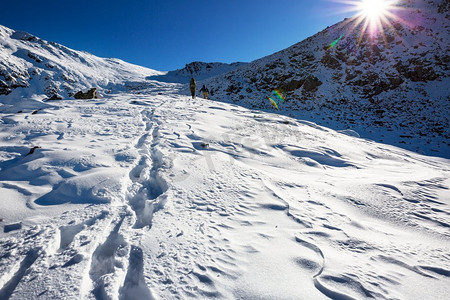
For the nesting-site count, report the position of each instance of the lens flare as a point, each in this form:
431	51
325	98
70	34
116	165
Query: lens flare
279	95
335	42
273	102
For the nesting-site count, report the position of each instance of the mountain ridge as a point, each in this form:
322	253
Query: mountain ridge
32	67
197	69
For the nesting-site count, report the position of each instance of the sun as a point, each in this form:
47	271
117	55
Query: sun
372	17
374	10
375	14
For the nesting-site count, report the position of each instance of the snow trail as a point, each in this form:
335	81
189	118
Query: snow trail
134	286
104	259
8	288
147	184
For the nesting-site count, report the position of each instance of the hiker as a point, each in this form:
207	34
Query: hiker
192	87
205	91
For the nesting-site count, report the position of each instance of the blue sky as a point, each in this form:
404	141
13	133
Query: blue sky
167	34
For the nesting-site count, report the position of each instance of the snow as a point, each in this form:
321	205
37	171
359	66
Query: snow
152	195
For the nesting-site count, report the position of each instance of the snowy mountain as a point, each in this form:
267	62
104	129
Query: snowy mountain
198	70
32	67
393	88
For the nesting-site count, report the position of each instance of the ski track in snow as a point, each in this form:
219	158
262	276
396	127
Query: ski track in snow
158	196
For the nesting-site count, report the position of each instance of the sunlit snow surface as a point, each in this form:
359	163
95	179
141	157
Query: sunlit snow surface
156	195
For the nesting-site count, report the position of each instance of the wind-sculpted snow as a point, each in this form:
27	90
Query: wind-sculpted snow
153	195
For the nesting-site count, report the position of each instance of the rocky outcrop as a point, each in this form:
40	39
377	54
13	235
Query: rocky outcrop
90	94
11	79
291	85
311	84
55	97
4	88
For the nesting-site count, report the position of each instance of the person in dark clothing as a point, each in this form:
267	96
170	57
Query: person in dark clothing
205	91
192	87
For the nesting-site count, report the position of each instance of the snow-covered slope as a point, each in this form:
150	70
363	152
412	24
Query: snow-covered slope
158	196
392	88
32	67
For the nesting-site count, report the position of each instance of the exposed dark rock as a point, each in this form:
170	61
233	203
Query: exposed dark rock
376	50
444	7
12	80
4	88
282	77
51	89
330	61
389	38
292	85
397	26
233	89
55	97
34	57
341	56
32	150
311	84
395	82
376	73
24	36
67	78
90	94
420	73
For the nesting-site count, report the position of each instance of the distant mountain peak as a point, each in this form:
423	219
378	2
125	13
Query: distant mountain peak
198	70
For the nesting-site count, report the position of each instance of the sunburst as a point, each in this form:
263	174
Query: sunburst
373	16
374	10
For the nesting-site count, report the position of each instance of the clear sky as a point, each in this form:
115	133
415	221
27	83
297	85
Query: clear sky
167	34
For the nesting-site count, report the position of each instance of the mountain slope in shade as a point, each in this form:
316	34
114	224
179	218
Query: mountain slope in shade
32	67
392	88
